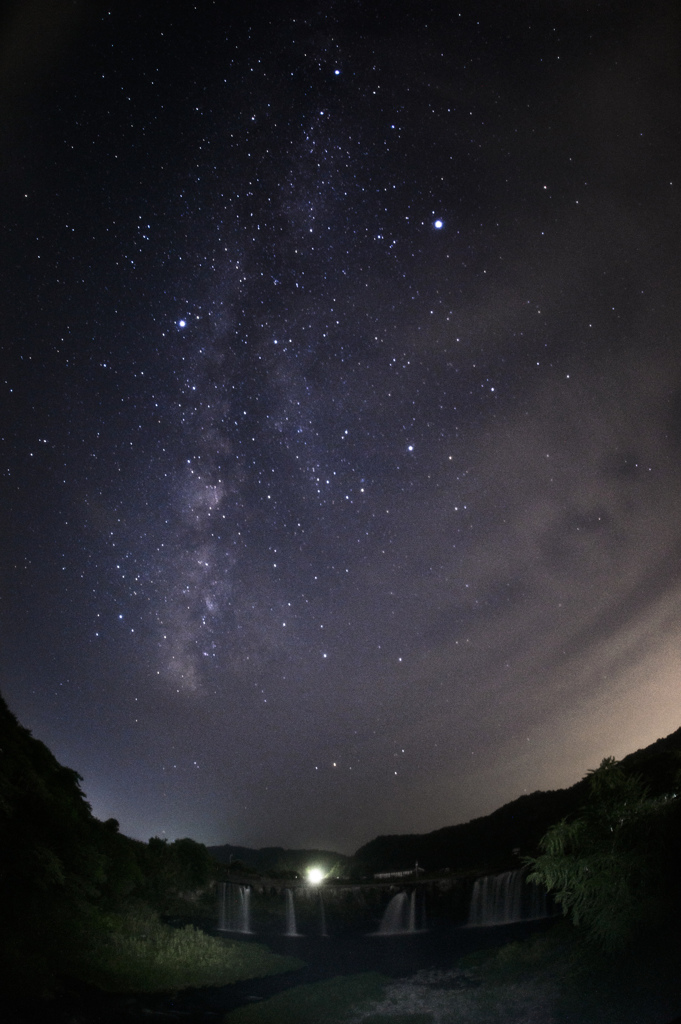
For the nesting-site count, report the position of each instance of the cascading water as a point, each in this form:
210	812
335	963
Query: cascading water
291	930
234	908
506	899
411	917
399	917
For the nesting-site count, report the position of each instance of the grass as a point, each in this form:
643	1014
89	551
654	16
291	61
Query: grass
554	977
138	953
329	1002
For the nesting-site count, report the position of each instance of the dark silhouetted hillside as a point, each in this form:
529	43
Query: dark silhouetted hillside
62	871
488	843
277	859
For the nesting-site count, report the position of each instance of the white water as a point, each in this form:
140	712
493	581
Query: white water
506	899
291	929
234	908
399	917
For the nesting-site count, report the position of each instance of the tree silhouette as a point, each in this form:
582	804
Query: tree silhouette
608	868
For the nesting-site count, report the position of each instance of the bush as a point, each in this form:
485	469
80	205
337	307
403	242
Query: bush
609	869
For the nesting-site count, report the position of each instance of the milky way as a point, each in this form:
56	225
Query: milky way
341	413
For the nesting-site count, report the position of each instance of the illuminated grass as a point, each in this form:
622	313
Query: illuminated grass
140	954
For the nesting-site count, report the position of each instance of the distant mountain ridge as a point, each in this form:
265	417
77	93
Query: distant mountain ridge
494	842
487	844
276	858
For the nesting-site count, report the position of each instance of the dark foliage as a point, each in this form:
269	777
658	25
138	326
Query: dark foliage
614	867
62	871
52	867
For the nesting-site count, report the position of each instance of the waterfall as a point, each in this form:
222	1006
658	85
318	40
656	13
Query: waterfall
245	908
506	899
399	917
411	924
291	929
234	908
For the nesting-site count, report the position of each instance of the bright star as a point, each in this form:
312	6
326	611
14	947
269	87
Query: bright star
438	224
181	323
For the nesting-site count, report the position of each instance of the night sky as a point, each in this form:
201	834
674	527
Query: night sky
340	405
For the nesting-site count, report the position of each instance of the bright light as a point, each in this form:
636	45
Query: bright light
315	876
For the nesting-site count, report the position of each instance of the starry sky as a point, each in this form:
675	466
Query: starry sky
340	404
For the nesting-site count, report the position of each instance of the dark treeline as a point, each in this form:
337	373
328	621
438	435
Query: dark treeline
614	867
63	872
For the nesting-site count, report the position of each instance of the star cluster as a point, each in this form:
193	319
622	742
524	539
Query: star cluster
340	408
